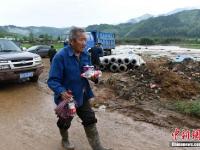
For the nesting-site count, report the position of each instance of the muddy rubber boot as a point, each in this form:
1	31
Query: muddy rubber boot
65	140
93	137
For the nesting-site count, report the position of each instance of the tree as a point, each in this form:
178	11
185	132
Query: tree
2	35
31	37
146	41
58	38
41	36
25	38
46	38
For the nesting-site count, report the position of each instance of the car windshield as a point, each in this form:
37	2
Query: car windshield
32	48
8	46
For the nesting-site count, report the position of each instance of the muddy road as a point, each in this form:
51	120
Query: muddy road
28	122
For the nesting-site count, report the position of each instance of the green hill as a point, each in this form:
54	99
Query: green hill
185	24
181	25
36	31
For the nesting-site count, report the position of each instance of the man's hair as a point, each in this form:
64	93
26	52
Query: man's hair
73	33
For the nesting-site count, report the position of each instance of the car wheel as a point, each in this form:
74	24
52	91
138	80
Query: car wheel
34	79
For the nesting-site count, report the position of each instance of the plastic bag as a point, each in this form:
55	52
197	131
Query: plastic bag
66	109
90	72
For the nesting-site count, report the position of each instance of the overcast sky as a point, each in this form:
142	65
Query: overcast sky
65	13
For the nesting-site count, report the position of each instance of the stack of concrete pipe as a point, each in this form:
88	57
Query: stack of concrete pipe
121	62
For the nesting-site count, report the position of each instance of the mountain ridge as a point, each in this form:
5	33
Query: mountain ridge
180	24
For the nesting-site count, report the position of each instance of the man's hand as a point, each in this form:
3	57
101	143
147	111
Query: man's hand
66	96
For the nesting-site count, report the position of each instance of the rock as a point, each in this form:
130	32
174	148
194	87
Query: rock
102	108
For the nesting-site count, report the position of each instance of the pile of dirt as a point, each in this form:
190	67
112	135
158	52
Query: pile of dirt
153	81
189	68
173	85
148	94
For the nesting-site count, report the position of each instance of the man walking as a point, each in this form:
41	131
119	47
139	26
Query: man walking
64	75
51	53
96	52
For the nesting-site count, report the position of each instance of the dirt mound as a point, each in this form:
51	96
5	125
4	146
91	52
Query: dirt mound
150	92
173	85
153	81
189	68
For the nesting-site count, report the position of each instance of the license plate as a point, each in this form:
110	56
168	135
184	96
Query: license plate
26	75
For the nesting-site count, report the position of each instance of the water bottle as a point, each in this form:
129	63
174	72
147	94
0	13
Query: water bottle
71	105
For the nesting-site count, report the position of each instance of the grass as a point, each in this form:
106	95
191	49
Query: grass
27	45
189	107
195	46
57	46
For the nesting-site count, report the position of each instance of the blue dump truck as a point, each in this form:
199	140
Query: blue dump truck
107	40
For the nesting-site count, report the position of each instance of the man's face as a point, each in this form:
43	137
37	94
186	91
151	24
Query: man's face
79	43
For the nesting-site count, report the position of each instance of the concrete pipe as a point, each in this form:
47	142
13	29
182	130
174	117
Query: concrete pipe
120	61
130	66
102	67
113	60
133	62
106	61
126	61
114	67
122	68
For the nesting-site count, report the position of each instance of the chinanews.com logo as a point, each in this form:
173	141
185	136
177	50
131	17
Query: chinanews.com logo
185	138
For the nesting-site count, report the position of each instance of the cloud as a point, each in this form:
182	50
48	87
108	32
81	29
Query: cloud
62	13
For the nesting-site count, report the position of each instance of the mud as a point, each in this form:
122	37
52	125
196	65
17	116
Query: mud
28	120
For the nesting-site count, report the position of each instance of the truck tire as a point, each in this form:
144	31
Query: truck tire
34	79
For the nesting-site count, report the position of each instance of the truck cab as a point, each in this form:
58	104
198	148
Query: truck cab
107	40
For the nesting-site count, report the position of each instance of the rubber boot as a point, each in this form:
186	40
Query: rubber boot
65	140
93	137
